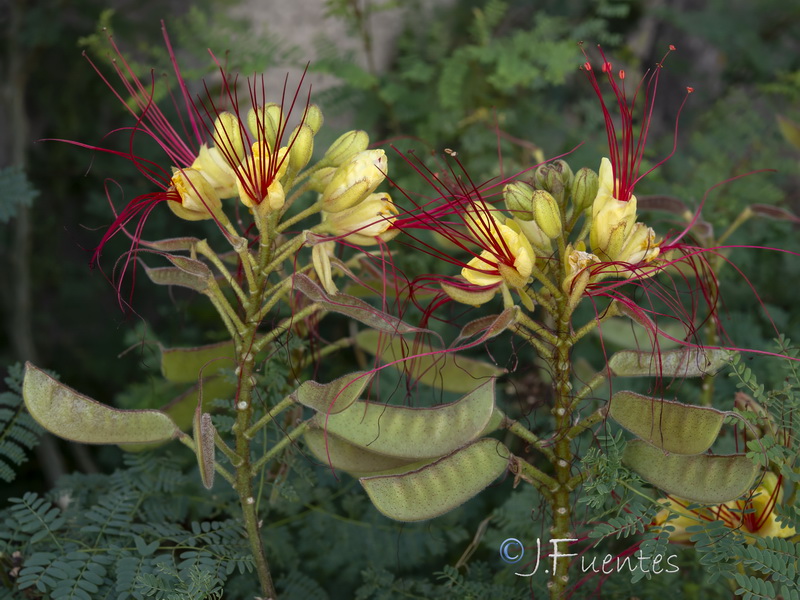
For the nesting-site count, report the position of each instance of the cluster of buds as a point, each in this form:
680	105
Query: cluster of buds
351	209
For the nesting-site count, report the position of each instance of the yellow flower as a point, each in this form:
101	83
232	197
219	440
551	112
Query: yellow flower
611	218
615	235
755	515
507	258
259	174
198	199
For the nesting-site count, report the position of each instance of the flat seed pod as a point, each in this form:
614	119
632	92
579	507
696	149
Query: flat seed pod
686	362
333	397
674	427
73	416
349	458
184	365
441	486
204	446
700	478
413	433
437	368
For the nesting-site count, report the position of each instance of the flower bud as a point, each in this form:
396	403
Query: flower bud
198	200
535	236
584	189
264	124
367	223
547	214
320	178
314	118
301	147
468	295
355	180
345	147
548	177
228	136
519	200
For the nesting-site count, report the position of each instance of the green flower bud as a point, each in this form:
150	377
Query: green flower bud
228	135
265	123
345	147
321	178
301	147
314	118
548	178
547	214
519	200
584	189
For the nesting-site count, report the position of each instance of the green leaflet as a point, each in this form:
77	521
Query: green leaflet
73	416
438	368
672	426
699	478
440	487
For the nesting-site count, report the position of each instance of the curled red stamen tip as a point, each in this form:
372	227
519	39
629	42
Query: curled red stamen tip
671	47
689	90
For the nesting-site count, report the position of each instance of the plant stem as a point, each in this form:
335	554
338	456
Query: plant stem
560	502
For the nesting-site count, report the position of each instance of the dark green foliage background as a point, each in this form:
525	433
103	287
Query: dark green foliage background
475	68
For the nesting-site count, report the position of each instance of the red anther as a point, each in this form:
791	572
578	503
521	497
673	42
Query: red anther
606	67
587	66
671	47
689	90
622	74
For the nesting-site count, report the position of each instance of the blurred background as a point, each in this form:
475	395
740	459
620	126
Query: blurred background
491	79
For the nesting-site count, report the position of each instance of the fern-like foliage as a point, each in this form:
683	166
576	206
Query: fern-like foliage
15	191
19	433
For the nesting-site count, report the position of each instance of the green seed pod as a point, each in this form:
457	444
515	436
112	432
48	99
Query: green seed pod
334	397
519	200
440	487
73	416
185	365
674	427
699	478
584	189
686	362
204	446
339	454
413	433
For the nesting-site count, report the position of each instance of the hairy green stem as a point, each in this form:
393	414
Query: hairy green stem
523	432
289	438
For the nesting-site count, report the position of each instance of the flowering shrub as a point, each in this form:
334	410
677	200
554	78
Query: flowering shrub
563	255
